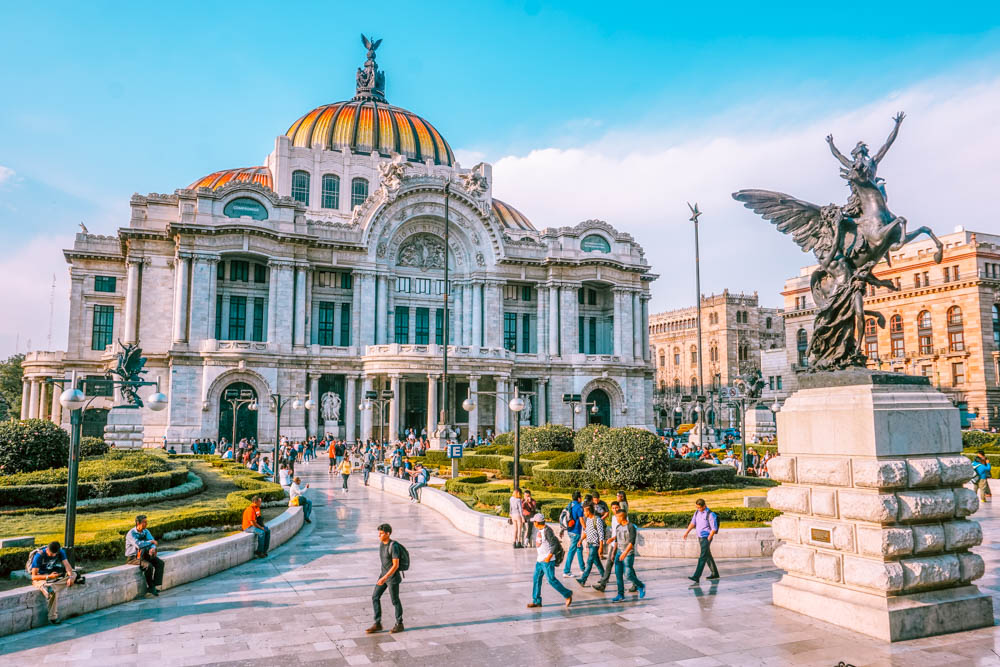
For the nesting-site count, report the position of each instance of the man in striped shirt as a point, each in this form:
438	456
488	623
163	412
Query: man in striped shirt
594	528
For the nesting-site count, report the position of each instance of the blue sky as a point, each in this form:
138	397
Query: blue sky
105	99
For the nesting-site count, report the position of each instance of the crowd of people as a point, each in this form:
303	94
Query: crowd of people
756	464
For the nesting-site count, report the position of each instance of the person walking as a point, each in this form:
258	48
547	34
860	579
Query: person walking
573	525
706	522
367	465
594	533
528	509
548	546
332	452
390	554
625	537
609	564
516	518
981	466
345	470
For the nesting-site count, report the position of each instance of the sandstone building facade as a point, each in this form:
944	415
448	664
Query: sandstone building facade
320	273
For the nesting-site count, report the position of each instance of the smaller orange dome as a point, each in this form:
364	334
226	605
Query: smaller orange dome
510	216
258	175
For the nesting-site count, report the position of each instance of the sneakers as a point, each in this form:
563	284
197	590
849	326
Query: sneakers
532	605
713	576
375	628
582	582
152	591
642	592
566	575
397	628
599	588
569	600
694	579
619	598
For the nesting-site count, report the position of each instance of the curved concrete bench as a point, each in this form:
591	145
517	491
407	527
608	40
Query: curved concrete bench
653	542
24	608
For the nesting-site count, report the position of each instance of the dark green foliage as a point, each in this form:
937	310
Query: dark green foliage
542	456
569	479
506	467
551	437
504	450
93	447
628	458
465	486
682	519
53	495
32	444
567	461
11	375
504	440
979	440
585	437
113	465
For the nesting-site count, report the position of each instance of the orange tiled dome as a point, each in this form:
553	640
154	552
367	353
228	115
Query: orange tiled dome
510	216
259	175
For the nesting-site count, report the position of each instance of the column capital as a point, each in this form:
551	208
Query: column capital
136	260
315	376
394	376
207	258
543	381
363	273
474	378
433	377
352	376
281	263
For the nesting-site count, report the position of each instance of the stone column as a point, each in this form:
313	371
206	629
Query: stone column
43	397
33	398
382	311
458	314
364	288
568	324
389	326
644	299
182	264
130	334
432	404
616	296
300	306
394	407
366	415
637	326
541	328
467	296
875	534
25	397
541	404
314	413
554	304
492	318
205	277
477	314
55	414
474	413
351	407
355	311
499	418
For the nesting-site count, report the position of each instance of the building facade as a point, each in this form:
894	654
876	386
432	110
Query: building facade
943	321
736	329
320	273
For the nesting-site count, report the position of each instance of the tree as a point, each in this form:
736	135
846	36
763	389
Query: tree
11	374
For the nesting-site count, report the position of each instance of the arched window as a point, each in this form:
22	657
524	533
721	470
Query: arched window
694	354
956	337
896	336
359	192
662	360
713	353
767	323
743	352
677	385
331	191
677	359
595	243
802	346
925	334
694	386
871	338
300	186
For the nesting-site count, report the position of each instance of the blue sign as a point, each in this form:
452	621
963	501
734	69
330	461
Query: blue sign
455	451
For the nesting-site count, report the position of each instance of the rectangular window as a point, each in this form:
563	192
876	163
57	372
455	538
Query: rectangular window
324	335
346	281
580	295
580	321
98	385
423	329
402	325
220	271
926	370
916	280
897	347
957	374
592	334
526	293
104	325
259	273
947	273
218	317
954	272
402	284
258	319
105	283
237	317
526	332
345	324
511	292
439	326
956	341
510	331
871	348
779	383
770	382
239	271
926	344
422	285
591	297
331	191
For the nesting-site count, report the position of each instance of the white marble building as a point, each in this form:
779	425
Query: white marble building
322	271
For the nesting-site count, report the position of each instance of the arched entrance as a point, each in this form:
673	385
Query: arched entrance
599	398
238	393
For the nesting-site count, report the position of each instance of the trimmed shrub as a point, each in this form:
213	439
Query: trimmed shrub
682	519
628	458
715	475
585	437
466	486
504	440
551	437
506	467
567	461
52	495
494	496
571	479
979	440
93	447
31	444
542	456
114	465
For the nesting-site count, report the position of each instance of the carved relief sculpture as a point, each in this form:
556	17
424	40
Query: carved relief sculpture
422	251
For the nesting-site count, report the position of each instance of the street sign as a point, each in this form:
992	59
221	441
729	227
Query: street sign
371	395
387	393
455	451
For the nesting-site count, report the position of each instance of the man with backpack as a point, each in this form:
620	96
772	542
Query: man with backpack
571	519
51	571
395	560
420	479
706	522
550	554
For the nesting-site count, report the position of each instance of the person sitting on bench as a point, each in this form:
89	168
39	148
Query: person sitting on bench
140	549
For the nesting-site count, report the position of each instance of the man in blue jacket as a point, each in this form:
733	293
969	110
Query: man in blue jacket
574	526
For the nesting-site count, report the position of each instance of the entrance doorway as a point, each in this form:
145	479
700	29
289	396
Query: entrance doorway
238	393
599	397
415	409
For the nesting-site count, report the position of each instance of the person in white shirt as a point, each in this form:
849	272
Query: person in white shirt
283	478
609	563
517	517
296	490
545	567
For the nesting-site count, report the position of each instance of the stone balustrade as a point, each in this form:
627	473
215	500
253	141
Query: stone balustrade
24	608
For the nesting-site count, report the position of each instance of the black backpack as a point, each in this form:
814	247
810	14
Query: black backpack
404	558
558	550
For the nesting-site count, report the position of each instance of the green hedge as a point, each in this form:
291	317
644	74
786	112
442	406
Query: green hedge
466	486
979	440
573	479
52	495
31	444
585	437
542	456
682	519
628	458
506	467
719	475
567	461
90	446
504	440
550	437
114	465
506	450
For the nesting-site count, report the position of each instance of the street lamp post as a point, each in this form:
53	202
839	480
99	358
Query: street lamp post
443	414
516	404
574	401
241	398
75	400
372	400
278	403
697	282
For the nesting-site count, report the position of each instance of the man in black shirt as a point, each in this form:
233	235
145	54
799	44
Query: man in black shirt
390	578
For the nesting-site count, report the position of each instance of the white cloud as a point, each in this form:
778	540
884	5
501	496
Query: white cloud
6	174
941	172
28	272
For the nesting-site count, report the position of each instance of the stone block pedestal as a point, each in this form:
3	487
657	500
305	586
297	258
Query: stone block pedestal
124	429
874	531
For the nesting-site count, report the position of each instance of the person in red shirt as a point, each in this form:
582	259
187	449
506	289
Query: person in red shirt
252	523
333	455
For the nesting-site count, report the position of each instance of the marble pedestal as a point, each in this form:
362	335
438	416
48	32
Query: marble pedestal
124	428
874	532
760	424
332	428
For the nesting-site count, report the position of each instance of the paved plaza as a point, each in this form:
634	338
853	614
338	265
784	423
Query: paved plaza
464	601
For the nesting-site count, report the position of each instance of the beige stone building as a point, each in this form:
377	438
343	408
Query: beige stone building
735	329
943	322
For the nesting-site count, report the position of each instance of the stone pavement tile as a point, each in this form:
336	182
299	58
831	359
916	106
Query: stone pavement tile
705	661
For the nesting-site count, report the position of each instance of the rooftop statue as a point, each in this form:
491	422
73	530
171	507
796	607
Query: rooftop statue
848	241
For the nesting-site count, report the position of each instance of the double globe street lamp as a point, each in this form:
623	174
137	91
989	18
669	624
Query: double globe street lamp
516	405
278	403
